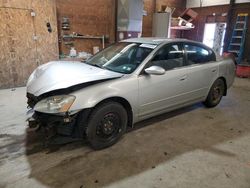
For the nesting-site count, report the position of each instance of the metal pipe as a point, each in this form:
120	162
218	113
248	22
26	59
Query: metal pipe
116	19
17	8
103	41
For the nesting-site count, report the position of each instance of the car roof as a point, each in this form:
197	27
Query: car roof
158	41
154	40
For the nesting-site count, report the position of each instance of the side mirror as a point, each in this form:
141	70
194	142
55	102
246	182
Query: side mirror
155	70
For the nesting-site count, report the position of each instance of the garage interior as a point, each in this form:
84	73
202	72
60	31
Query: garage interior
190	147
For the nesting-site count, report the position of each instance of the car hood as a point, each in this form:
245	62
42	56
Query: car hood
63	74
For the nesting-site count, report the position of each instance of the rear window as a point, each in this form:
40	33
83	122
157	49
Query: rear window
197	54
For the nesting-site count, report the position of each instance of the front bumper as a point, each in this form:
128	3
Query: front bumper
59	129
65	127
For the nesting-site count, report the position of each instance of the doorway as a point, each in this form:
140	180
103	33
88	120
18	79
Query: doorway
213	37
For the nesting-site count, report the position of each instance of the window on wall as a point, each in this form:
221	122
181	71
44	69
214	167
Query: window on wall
197	54
169	57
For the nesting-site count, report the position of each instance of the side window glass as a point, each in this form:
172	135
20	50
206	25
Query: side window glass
169	57
141	54
196	54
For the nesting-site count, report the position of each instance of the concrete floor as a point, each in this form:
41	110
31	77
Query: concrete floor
191	147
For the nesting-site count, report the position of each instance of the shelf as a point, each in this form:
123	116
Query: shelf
86	37
83	37
181	28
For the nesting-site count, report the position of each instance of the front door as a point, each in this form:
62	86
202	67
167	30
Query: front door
157	93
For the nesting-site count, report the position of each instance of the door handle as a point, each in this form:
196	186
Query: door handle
214	70
183	78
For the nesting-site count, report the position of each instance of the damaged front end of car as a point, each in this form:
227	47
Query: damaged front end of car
51	116
49	98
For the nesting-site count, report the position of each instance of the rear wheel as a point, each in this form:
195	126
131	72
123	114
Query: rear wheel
107	123
215	94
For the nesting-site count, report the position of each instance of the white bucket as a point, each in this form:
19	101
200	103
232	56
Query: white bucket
96	49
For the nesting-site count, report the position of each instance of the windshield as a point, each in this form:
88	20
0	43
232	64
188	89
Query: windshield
121	57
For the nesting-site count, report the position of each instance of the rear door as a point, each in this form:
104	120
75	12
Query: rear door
202	69
190	70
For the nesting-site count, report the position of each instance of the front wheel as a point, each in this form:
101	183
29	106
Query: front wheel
107	124
215	94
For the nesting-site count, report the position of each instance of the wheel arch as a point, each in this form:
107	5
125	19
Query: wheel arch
124	103
225	84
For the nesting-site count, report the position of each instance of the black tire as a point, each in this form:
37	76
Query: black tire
107	123
215	93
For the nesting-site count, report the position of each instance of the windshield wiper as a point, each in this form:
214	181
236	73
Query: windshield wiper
95	65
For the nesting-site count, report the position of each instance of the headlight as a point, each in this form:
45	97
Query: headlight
55	104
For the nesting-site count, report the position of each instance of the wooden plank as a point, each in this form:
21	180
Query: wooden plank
17	47
20	54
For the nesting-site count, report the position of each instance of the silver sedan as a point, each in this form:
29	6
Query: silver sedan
125	83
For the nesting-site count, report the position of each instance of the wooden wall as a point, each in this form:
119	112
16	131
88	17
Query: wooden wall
20	53
95	17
